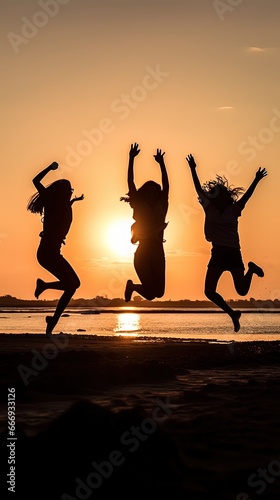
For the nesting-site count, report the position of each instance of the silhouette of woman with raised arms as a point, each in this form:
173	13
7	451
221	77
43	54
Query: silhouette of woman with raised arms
150	205
222	209
54	202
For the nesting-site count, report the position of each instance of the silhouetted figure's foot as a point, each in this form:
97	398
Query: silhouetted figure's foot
128	290
235	319
40	287
256	269
51	322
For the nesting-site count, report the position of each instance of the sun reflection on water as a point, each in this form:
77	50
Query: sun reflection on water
128	324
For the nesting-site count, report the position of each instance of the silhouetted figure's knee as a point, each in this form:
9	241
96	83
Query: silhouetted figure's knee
207	292
210	293
241	290
150	295
154	292
73	285
160	293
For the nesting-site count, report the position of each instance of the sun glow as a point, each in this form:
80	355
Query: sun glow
128	324
117	236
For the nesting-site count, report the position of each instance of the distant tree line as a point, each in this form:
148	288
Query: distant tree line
100	301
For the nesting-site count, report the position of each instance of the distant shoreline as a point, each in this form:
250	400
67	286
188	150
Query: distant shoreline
134	309
103	303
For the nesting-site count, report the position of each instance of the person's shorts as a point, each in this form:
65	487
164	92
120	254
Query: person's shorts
226	258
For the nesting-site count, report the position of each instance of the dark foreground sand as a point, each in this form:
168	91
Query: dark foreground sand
108	417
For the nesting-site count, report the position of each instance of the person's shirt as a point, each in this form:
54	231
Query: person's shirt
149	219
57	220
221	226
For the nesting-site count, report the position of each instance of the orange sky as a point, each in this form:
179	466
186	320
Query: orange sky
84	79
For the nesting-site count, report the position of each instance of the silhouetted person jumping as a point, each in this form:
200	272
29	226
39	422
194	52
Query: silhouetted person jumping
222	209
54	202
150	205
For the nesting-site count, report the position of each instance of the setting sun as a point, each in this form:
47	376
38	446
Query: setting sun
117	238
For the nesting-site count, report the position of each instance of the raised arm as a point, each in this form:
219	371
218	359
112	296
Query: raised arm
134	151
77	198
260	174
164	177
201	194
37	180
191	161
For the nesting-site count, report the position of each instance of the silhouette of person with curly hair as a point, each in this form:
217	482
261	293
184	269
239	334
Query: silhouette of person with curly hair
55	204
150	205
222	209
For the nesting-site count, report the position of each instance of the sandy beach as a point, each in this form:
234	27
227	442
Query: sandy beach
97	416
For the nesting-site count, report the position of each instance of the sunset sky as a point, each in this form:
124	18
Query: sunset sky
83	79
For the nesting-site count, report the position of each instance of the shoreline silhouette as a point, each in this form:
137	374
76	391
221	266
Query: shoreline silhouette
102	302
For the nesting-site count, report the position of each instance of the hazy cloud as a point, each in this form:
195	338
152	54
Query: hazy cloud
103	262
179	252
262	50
256	49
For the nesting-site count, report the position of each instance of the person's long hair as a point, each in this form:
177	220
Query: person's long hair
142	191
220	192
53	192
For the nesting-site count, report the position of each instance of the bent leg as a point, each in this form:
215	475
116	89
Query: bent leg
212	277
149	263
42	285
69	282
62	304
50	258
56	264
158	270
242	282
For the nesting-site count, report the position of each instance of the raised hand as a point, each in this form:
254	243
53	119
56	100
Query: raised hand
191	161
134	151
54	165
159	156
77	198
260	174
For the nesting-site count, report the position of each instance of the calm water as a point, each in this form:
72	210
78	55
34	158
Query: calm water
182	324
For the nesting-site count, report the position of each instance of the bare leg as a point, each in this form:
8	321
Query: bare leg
51	259
147	292
41	286
129	289
149	263
212	277
242	282
62	304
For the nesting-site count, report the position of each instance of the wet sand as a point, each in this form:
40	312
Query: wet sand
101	416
